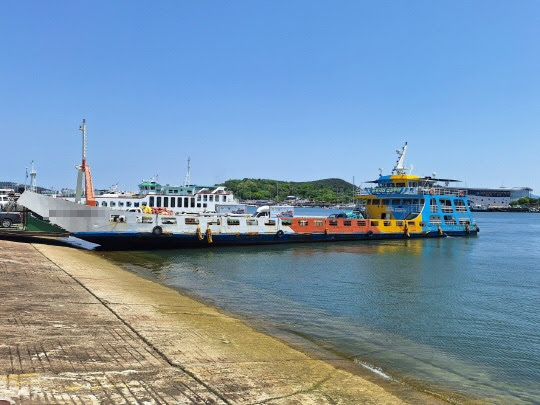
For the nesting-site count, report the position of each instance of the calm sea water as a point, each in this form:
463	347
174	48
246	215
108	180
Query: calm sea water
453	316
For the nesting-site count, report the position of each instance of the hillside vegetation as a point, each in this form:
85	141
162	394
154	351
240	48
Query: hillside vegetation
327	190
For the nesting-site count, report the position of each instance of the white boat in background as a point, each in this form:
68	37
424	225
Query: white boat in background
175	199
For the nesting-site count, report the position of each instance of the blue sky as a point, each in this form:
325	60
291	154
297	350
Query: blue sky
288	90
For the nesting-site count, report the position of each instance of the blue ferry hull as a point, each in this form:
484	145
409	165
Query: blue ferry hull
148	241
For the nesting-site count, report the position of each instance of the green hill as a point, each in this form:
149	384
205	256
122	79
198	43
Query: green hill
328	190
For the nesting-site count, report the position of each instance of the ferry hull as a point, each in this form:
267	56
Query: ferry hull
146	241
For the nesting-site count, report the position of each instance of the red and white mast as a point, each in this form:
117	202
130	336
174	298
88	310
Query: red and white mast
84	168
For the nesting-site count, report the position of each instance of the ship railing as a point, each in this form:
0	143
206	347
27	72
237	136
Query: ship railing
442	191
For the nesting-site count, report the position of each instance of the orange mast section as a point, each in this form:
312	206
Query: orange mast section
88	187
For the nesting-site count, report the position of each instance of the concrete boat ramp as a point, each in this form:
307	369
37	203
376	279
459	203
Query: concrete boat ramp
77	329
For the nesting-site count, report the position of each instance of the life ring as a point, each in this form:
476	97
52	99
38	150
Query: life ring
157	230
431	191
280	233
369	233
209	235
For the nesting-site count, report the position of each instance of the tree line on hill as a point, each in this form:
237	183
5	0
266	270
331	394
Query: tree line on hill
526	201
333	191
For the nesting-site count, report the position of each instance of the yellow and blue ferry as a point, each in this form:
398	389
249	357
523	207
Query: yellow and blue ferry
417	206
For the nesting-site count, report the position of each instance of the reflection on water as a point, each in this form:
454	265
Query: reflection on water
447	315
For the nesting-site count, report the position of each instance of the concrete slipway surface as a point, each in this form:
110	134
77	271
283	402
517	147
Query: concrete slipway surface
77	329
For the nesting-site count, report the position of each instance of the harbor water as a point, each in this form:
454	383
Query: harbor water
456	317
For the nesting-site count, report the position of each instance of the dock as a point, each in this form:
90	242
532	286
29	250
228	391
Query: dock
77	329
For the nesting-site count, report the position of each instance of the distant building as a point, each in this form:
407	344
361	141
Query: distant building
495	197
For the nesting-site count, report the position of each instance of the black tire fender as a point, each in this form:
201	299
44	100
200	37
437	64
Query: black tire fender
158	230
369	233
279	233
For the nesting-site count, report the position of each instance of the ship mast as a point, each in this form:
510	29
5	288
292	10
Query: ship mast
84	168
399	168
33	183
187	181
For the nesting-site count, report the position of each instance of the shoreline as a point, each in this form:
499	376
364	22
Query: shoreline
226	359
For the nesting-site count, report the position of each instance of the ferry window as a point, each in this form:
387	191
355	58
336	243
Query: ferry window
192	202
385	202
368	202
198	205
210	198
387	223
400	184
415	201
186	202
375	223
285	222
252	222
396	202
464	221
233	221
151	202
113	204
376	201
399	223
158	201
198	198
435	219
411	223
168	220
204	205
166	202
136	204
302	222
128	204
406	201
104	203
270	222
205	198
173	202
332	222
422	201
347	223
361	223
191	221
224	198
449	219
120	203
318	222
